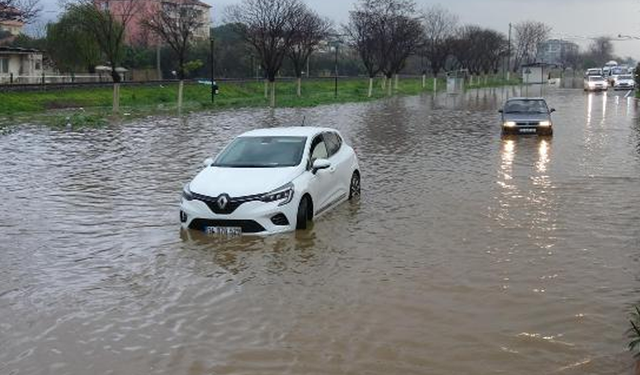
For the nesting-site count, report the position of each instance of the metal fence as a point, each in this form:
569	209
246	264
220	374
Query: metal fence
10	79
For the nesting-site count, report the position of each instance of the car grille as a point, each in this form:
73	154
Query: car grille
248	226
528	123
280	219
231	206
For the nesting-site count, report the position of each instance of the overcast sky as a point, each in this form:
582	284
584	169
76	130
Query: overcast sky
575	20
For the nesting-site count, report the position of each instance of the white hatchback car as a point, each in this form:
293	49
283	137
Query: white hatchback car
270	181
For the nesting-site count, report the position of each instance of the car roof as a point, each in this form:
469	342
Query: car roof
292	131
525	99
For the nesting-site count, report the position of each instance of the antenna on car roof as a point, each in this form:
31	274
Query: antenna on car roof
303	119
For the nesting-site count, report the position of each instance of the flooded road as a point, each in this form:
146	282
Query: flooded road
467	254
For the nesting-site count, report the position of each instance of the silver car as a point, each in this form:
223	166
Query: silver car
527	116
624	82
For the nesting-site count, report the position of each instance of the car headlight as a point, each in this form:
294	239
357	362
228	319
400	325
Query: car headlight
283	194
509	124
186	193
545	123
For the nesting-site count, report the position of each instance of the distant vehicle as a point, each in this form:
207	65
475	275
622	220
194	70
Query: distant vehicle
595	83
617	71
593	72
526	116
271	181
624	82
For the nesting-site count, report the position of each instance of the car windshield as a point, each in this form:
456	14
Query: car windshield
596	78
626	77
525	106
262	152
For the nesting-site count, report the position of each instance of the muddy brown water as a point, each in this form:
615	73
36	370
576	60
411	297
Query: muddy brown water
467	254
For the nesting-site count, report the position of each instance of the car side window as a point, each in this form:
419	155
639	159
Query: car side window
333	143
318	149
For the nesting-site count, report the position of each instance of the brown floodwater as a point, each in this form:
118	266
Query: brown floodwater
467	254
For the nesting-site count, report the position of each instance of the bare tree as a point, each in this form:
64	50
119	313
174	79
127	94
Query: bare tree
361	34
601	50
479	50
439	26
175	23
106	22
270	27
528	35
569	56
312	30
25	11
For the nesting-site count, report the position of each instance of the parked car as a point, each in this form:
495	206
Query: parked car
595	83
527	116
624	82
271	180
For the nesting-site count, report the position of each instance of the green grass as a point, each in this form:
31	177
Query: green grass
62	107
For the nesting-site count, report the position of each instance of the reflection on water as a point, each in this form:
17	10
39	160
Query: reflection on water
467	250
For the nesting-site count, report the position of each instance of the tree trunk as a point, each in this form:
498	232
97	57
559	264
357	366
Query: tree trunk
485	79
299	87
370	92
180	92
273	94
424	80
266	89
435	84
389	86
116	98
384	82
396	82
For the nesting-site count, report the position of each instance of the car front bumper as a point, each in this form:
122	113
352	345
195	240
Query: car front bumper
539	130
254	218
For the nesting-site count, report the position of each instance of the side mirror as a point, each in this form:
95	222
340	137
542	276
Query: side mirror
319	164
207	162
552	110
501	111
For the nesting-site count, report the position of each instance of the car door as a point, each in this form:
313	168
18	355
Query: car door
340	161
320	185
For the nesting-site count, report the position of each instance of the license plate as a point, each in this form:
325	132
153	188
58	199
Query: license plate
225	231
528	130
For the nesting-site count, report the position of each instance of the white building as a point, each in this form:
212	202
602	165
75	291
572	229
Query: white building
20	65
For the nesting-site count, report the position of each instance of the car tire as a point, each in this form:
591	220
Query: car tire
354	187
302	218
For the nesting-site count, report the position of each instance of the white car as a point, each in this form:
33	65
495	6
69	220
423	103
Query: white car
271	181
624	82
595	83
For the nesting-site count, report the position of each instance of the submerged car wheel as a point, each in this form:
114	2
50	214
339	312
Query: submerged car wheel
354	190
302	218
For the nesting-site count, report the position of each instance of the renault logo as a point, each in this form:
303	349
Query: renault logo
222	201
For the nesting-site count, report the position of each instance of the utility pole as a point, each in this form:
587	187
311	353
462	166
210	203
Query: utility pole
336	72
509	55
213	90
